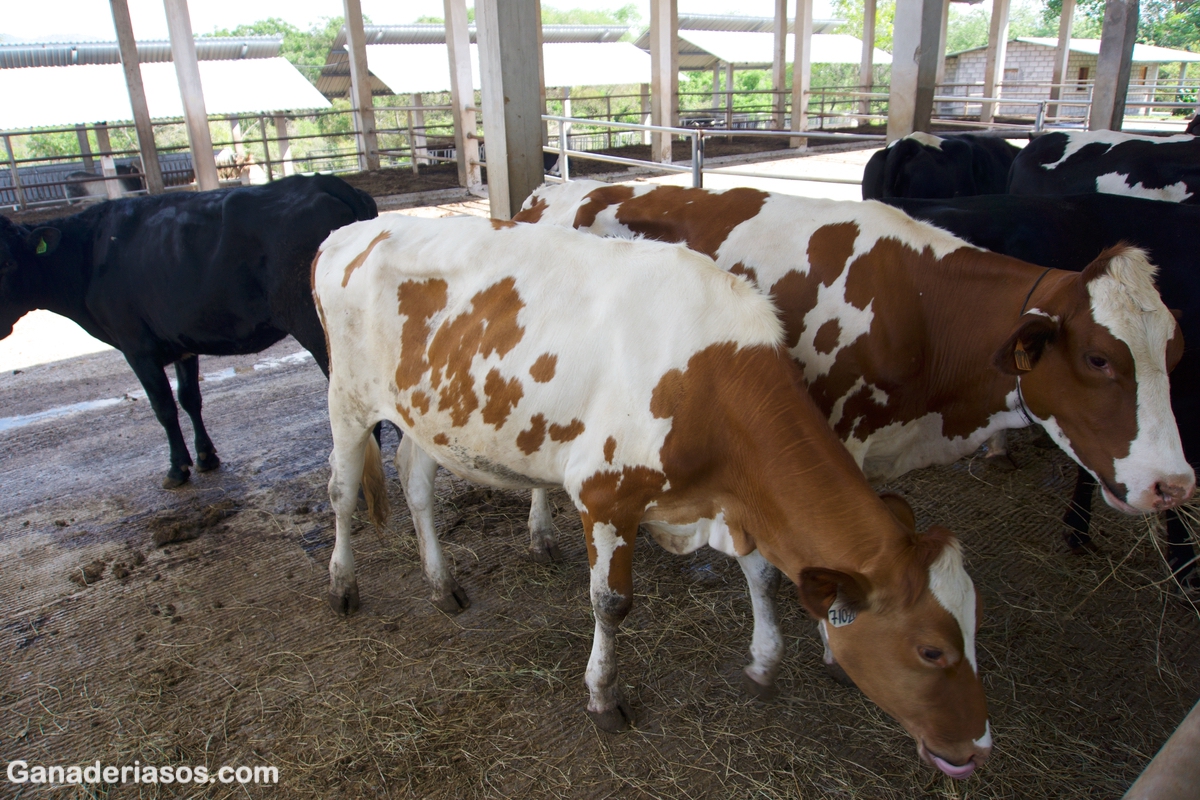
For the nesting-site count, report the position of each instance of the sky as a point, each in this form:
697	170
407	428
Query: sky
91	20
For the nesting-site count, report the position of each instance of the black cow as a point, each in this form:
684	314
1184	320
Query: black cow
1067	233
924	165
166	278
1082	162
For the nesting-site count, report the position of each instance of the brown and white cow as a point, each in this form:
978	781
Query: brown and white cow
917	346
656	389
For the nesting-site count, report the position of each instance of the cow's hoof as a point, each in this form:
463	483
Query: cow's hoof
759	691
839	675
1003	462
176	477
344	602
616	719
207	462
453	600
548	553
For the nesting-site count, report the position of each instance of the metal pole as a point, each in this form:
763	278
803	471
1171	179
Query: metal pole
698	160
16	178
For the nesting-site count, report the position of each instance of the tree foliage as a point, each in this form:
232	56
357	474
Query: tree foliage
305	49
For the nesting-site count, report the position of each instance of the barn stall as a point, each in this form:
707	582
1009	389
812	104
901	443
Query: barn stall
191	627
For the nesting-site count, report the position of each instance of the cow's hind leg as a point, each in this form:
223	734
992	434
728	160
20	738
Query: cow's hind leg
417	471
766	648
1078	516
187	371
158	390
543	541
352	446
610	554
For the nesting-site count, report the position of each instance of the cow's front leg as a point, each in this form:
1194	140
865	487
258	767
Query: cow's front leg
766	648
187	371
543	539
610	554
158	390
417	471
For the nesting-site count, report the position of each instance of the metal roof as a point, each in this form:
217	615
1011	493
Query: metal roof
734	22
334	80
67	54
63	96
756	49
412	68
1142	53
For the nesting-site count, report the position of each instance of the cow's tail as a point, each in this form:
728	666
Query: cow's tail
373	484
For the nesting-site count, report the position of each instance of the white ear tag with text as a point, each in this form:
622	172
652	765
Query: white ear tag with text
840	613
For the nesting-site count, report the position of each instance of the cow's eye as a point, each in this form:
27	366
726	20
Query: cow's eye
1098	362
930	654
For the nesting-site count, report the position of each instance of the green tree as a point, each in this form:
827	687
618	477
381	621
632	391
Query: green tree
305	49
852	12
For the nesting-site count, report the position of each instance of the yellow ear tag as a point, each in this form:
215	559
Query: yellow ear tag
41	248
1022	358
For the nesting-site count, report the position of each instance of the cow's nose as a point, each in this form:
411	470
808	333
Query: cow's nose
1173	492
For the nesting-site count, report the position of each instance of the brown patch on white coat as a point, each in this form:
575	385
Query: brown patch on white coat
644	435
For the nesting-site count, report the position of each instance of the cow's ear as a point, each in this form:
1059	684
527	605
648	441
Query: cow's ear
820	588
1024	347
43	241
900	509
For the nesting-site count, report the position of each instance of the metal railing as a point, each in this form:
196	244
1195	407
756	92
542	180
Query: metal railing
696	167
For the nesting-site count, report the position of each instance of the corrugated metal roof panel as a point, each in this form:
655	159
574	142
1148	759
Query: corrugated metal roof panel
97	93
435	33
68	54
755	49
736	22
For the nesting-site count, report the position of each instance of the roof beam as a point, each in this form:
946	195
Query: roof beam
360	88
137	96
187	71
1114	64
509	66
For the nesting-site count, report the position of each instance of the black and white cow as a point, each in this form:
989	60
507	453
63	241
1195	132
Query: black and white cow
1067	233
88	184
166	278
924	165
1081	162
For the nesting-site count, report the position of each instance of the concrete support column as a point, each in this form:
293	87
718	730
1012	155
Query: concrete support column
187	70
716	87
85	148
1062	54
664	74
360	88
729	97
285	145
914	66
779	65
137	96
509	63
993	71
1114	64
420	154
801	69
866	70
462	96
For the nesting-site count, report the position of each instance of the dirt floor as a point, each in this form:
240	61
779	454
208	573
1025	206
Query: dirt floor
191	627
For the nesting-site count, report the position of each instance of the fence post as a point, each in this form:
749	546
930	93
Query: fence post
698	159
564	138
419	128
1040	121
262	126
107	165
608	117
285	145
412	144
85	148
12	168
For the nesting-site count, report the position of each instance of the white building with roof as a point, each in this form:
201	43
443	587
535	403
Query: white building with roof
1029	70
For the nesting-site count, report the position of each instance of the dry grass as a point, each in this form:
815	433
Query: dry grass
221	650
